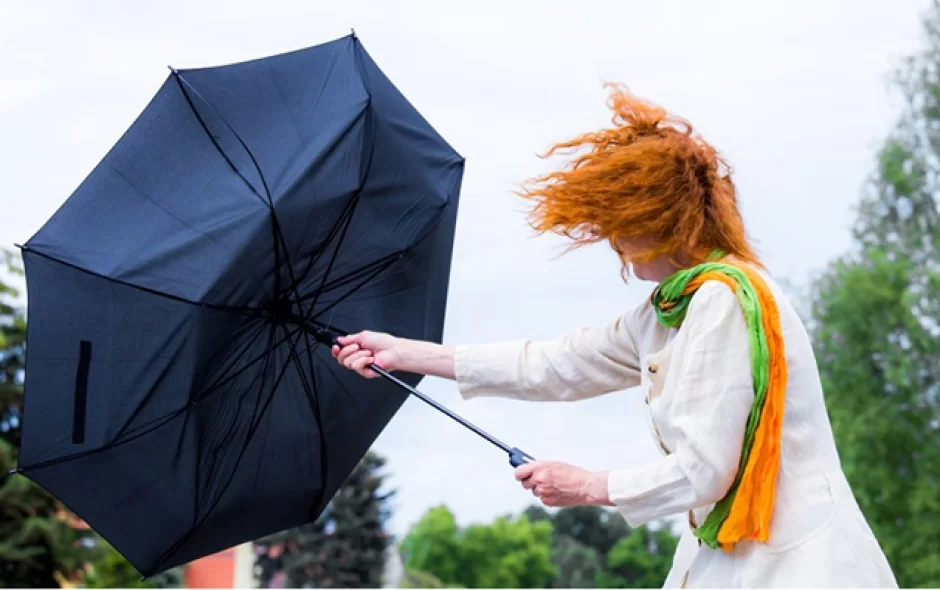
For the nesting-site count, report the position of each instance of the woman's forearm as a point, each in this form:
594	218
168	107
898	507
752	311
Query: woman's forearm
425	358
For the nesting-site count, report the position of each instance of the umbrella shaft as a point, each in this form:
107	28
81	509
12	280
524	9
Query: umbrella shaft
327	336
444	410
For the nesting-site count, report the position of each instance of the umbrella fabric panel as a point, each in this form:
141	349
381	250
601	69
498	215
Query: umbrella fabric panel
168	427
287	109
162	210
144	353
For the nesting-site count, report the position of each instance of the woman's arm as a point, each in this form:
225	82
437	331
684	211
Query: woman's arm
583	363
426	358
358	351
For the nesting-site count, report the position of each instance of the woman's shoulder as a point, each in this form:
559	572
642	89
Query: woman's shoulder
715	295
645	328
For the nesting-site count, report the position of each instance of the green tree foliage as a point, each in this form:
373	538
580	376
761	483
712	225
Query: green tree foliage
579	565
345	548
12	350
509	553
876	331
592	526
576	547
419	579
433	546
640	560
594	547
583	537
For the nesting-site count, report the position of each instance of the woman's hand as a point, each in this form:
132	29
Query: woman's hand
560	484
357	351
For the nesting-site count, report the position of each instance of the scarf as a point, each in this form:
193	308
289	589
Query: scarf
746	510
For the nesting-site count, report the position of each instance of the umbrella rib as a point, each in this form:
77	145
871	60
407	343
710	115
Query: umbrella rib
146	429
157	422
237	335
329	266
248	437
355	288
246	311
348	222
278	235
313	398
343	218
260	375
352	275
183	84
264	370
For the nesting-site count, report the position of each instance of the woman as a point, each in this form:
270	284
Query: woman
734	395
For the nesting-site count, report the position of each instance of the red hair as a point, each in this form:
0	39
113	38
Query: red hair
649	178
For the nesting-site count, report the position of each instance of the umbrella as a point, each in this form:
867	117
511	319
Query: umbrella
180	394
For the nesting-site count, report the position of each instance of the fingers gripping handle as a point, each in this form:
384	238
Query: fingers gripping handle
519	457
325	336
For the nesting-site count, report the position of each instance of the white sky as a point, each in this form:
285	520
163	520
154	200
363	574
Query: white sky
793	92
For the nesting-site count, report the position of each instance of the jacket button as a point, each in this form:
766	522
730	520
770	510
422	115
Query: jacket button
653	367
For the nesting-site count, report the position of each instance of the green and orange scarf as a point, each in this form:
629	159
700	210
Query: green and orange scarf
746	510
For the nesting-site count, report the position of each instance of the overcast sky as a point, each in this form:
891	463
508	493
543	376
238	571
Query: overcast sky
793	92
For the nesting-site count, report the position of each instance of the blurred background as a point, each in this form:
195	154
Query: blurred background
828	111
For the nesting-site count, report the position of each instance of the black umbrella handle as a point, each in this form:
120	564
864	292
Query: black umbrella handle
517	457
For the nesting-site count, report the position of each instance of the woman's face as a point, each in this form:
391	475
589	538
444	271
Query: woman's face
654	270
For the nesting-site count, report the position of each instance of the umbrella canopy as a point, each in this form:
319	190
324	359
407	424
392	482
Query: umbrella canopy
174	399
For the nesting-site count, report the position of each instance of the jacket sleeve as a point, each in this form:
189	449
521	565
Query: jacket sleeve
712	400
587	362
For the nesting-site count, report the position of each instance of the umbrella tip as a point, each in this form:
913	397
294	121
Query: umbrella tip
352	33
173	70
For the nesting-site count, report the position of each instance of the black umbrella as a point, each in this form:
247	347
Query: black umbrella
179	395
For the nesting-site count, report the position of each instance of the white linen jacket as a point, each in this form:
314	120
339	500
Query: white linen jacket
699	390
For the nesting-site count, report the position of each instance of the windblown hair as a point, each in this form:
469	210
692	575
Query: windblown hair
649	178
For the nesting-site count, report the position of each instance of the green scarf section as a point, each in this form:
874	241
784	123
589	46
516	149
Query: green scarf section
671	301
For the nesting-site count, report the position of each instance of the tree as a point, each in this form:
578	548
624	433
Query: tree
509	553
593	526
419	579
641	560
12	351
579	565
594	547
583	537
432	546
345	548
875	327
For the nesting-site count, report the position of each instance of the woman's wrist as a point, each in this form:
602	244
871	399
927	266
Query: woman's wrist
425	358
595	489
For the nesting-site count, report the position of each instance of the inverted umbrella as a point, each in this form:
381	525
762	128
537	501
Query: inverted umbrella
180	393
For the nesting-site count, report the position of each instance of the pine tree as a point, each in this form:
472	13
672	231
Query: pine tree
345	548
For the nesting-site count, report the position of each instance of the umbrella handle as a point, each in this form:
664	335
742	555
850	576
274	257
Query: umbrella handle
518	457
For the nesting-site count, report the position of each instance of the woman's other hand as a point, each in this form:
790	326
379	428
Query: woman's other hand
560	484
357	351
